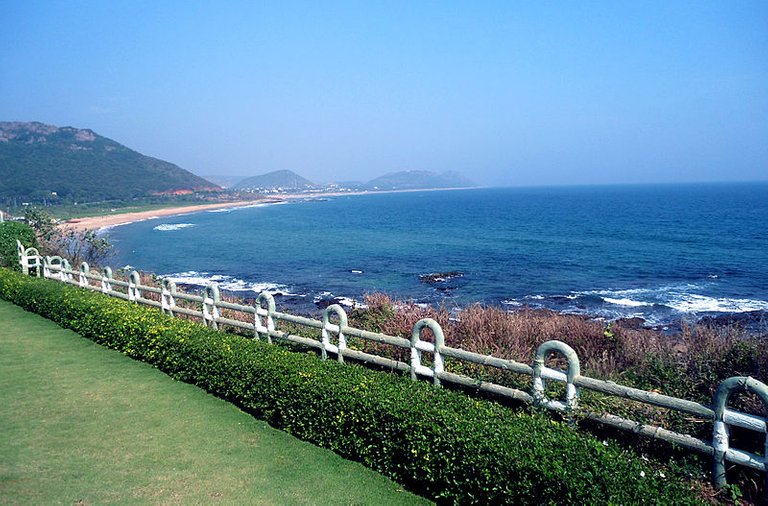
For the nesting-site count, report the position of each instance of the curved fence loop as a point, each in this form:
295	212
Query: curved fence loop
418	346
264	327
572	372
85	269
721	431
106	279
29	259
211	301
168	296
328	328
134	280
53	267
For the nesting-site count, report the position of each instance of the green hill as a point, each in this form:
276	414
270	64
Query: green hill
40	163
282	179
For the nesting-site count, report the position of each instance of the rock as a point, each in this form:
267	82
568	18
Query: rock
440	277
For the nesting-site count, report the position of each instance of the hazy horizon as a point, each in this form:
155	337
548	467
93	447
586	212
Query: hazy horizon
507	94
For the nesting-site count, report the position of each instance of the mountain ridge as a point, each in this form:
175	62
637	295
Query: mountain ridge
41	162
278	179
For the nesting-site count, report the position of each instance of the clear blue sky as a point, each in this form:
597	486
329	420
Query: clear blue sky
509	93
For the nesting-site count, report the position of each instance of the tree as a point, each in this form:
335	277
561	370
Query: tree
77	246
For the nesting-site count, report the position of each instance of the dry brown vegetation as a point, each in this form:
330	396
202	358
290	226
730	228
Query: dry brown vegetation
689	364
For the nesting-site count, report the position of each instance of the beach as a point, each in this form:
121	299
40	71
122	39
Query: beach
123	218
111	220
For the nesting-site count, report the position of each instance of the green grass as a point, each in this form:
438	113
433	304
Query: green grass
85	425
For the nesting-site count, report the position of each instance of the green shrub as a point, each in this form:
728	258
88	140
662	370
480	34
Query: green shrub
439	443
10	231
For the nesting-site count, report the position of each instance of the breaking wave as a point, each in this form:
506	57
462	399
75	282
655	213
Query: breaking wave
228	283
169	227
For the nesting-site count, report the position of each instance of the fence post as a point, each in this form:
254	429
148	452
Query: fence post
22	259
106	280
259	328
721	431
417	346
66	270
328	327
134	280
210	306
84	269
574	370
167	296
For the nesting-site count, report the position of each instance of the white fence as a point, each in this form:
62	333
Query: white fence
263	320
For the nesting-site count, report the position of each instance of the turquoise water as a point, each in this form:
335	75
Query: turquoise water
658	252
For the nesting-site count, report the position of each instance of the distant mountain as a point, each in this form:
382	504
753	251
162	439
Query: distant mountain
41	162
279	179
419	179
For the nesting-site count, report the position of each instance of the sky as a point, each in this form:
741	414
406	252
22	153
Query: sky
509	93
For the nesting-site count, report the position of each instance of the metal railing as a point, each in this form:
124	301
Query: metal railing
262	321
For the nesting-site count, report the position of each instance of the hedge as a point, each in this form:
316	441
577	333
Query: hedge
438	443
10	231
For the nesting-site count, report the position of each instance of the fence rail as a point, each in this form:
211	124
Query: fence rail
263	318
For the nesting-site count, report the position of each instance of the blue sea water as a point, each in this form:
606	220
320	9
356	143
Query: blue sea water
660	252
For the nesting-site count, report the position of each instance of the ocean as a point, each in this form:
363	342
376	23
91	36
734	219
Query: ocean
658	252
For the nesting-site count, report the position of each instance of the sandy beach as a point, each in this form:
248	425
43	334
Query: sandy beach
111	220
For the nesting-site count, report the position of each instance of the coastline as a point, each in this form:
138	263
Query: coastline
658	301
100	222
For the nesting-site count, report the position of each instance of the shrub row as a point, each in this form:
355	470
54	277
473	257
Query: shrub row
438	443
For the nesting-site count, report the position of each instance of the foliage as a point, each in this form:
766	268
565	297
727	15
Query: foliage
439	443
43	223
10	231
688	365
44	164
84	246
75	245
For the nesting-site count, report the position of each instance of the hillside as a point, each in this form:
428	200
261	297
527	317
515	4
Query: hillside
415	179
41	162
283	179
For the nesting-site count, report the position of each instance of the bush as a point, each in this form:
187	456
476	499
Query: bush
439	443
10	231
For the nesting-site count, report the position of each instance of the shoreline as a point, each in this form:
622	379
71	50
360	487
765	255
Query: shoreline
103	221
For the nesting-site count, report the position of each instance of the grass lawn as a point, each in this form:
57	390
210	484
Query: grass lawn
80	424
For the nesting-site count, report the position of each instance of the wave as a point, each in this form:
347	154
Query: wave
227	283
694	303
169	227
626	302
325	299
105	229
657	305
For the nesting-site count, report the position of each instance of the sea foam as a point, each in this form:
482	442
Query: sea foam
169	227
228	283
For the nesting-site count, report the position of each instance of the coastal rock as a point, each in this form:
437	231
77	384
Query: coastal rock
440	277
326	299
749	319
634	323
